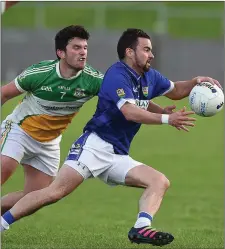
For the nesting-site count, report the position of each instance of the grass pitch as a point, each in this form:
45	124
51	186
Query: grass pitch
99	216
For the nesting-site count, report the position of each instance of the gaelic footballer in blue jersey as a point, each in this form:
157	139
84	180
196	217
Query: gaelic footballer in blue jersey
103	150
122	85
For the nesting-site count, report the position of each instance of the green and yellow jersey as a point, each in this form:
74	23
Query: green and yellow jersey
51	101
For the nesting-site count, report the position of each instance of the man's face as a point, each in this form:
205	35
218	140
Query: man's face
76	53
143	55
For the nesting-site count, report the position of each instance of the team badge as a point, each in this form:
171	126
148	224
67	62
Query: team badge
120	92
145	91
79	93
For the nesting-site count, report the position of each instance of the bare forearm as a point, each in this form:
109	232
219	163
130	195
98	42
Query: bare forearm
183	88
9	91
3	99
155	108
138	115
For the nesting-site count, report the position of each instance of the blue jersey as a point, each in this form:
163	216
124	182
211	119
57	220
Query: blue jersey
122	84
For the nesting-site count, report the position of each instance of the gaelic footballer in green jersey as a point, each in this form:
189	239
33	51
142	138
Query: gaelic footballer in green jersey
51	100
54	93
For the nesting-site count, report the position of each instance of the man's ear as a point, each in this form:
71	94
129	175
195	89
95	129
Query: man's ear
61	53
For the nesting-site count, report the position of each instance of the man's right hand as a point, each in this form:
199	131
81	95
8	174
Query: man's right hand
181	119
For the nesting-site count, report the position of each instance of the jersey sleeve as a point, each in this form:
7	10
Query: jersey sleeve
25	81
117	89
162	85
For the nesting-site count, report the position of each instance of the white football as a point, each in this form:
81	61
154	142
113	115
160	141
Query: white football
206	99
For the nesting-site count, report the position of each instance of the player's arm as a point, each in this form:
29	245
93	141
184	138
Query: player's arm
134	113
182	89
177	119
9	91
25	82
155	108
116	87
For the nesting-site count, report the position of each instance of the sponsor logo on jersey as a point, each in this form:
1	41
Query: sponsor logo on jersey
120	92
145	91
46	88
79	93
143	104
58	108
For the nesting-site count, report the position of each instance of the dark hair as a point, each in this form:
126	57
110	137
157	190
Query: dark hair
66	34
129	39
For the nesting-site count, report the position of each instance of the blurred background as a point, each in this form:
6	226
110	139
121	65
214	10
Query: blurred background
188	40
187	36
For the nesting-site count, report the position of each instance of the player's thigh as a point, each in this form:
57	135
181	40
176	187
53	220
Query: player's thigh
127	171
90	155
35	179
144	176
116	174
46	160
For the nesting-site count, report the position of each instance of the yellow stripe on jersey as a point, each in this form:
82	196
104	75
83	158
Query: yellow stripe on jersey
44	128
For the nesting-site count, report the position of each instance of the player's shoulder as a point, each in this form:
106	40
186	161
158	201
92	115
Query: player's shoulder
44	64
117	67
92	72
38	69
118	71
152	71
153	74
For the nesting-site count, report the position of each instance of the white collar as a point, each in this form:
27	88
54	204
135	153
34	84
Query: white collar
60	76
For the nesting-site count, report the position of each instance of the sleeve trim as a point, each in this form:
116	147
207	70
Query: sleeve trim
18	86
170	88
121	102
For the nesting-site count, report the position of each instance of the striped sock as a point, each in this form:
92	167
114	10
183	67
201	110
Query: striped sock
144	219
6	220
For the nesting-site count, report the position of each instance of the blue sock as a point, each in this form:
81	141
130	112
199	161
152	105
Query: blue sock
8	217
145	215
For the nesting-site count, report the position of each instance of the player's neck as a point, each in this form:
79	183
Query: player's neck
132	65
66	71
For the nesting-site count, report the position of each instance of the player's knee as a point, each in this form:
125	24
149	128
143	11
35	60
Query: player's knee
159	182
164	182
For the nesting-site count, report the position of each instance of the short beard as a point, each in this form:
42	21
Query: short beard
146	68
75	68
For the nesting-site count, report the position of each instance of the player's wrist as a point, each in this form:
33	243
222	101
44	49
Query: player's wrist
165	118
164	111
